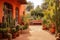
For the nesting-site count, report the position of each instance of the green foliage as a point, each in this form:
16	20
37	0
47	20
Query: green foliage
4	25
24	27
32	13
53	11
37	13
12	23
44	21
3	29
29	6
0	30
47	21
18	27
45	5
57	16
8	21
13	30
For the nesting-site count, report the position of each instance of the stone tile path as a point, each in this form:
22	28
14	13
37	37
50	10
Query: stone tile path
36	33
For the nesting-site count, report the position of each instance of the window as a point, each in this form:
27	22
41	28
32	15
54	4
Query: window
7	12
17	11
7	8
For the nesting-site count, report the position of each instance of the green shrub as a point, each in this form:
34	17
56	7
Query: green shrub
13	30
18	27
25	26
4	30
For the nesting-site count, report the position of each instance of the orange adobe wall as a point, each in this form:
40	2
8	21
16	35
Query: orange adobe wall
14	4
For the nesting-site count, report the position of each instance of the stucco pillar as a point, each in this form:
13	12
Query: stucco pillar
19	17
21	11
1	11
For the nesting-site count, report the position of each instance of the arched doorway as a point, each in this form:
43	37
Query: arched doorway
7	12
7	8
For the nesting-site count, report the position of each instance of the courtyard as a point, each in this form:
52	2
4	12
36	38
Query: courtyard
36	33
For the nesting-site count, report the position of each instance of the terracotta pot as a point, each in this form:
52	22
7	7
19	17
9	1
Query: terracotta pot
17	33
52	30
44	27
52	25
14	35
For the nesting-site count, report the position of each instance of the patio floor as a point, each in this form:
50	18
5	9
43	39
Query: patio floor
36	33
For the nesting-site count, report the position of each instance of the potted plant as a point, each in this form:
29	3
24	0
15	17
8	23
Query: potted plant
52	28
13	32
8	22
3	32
25	28
52	25
18	29
5	27
44	24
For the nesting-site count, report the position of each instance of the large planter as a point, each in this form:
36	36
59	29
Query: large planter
52	25
17	33
52	28
14	35
44	27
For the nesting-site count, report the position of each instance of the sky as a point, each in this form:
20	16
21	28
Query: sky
36	2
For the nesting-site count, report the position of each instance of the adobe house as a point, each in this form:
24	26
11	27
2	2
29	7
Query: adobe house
15	8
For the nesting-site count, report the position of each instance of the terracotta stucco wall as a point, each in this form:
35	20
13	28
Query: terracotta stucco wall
1	10
22	9
14	5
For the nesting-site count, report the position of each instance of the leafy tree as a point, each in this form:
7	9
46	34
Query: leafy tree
53	10
45	5
29	6
37	12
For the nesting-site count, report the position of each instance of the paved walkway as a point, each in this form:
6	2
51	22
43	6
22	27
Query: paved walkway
36	33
